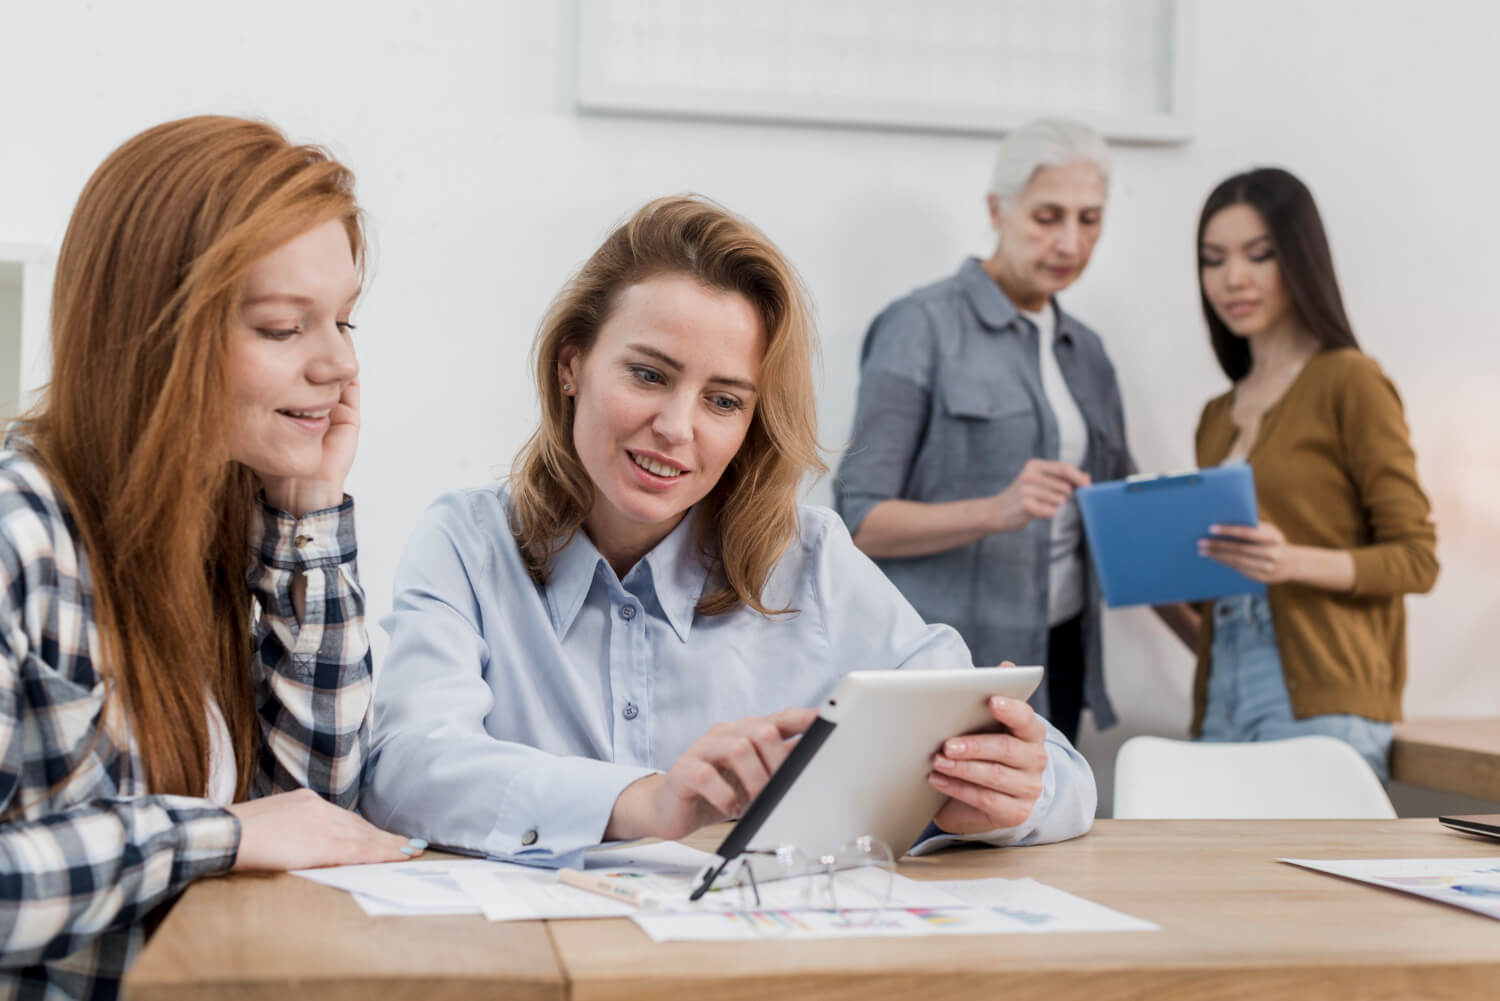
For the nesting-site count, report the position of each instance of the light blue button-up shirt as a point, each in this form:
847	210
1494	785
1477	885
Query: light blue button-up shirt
509	717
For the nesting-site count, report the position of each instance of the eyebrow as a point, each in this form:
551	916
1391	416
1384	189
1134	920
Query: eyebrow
1060	207
676	366
291	298
1248	243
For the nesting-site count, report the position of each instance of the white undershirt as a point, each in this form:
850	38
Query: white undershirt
221	770
1065	578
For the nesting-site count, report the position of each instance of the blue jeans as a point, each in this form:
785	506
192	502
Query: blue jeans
1247	691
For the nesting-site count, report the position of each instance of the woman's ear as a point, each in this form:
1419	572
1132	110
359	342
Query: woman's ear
997	211
569	364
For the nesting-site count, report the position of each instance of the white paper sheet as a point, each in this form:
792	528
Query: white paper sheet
978	907
523	897
1470	883
421	885
377	908
506	896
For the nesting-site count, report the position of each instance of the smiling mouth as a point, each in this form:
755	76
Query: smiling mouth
655	468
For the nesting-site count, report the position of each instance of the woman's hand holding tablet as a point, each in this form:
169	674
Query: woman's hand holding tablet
992	780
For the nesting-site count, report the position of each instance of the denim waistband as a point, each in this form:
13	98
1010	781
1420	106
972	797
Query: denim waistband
1252	609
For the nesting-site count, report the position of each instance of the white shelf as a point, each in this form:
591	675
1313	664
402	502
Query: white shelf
25	293
976	66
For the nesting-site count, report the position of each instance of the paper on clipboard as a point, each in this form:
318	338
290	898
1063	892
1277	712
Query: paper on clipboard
1143	535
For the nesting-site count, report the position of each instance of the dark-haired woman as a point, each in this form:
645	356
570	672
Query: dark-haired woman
1345	529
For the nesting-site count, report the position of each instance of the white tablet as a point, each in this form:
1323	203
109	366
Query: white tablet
862	767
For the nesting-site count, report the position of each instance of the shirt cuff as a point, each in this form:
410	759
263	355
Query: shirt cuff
210	838
323	538
557	808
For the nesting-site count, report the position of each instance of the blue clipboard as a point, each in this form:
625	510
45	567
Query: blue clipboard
1143	535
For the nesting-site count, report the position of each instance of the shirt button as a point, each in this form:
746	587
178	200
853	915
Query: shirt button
631	711
627	612
529	838
301	541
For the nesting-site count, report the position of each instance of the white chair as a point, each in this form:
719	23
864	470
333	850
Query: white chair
1312	777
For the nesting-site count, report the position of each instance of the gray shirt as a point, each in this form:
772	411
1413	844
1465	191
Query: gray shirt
951	406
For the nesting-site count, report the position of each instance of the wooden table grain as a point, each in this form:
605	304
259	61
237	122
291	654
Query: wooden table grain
1451	755
277	937
1234	923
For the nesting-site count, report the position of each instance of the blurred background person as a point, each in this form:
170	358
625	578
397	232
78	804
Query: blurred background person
1346	530
982	406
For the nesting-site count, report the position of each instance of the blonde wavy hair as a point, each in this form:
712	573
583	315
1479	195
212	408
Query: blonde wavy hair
750	516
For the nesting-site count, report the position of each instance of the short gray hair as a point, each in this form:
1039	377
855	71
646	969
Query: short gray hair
1044	142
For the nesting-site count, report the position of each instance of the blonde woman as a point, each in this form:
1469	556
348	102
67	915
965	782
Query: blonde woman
184	671
620	642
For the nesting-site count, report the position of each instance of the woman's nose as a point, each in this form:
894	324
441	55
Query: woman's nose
335	361
674	421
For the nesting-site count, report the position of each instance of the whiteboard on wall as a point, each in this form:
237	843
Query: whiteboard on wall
978	66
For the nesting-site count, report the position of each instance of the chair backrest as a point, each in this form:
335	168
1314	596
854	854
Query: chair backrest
1314	777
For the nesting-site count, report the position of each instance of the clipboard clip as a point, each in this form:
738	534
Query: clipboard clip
1146	481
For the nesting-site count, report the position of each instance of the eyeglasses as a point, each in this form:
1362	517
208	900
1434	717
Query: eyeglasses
856	881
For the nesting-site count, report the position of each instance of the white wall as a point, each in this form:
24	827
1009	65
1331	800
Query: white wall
10	332
485	190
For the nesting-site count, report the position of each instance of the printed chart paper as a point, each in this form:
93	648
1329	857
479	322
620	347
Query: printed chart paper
1470	883
980	907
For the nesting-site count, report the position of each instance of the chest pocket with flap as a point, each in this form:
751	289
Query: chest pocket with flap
989	430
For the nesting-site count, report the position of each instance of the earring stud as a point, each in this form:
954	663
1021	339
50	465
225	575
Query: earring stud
567	387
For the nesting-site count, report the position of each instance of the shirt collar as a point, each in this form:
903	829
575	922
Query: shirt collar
679	572
994	310
572	575
675	571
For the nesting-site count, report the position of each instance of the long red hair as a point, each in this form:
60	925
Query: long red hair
133	428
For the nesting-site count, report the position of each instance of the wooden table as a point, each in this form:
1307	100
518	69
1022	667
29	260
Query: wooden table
1234	924
284	937
1452	755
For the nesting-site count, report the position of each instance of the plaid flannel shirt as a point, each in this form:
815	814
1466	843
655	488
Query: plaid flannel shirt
82	864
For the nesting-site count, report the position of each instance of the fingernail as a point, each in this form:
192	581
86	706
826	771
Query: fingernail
997	702
938	780
942	762
956	746
407	850
413	846
1215	529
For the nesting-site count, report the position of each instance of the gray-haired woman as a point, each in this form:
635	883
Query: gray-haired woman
982	407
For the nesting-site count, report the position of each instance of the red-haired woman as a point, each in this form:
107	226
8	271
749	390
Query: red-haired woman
184	672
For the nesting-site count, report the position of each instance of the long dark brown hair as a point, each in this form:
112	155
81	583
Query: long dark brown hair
750	516
133	429
1301	247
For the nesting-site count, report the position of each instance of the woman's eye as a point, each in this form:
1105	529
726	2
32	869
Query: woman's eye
726	404
346	327
1262	257
1210	262
276	335
649	376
